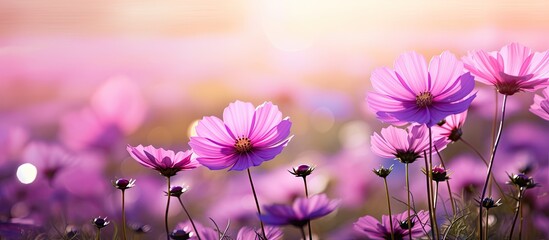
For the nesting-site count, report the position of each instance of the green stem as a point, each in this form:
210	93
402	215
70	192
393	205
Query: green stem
256	204
430	175
123	216
520	223
429	206
190	218
302	233
435	196
389	206
452	201
491	164
167	209
486	227
517	210
408	202
485	162
98	235
308	221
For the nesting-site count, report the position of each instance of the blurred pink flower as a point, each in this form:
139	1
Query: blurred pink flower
513	69
246	137
414	93
300	212
450	127
371	228
248	233
405	145
48	158
167	162
116	109
541	105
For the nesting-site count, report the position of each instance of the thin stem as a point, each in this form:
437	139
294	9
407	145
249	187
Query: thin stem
389	206
452	201
306	188
167	209
435	197
307	195
520	223
256	204
98	235
496	99
517	210
475	150
302	233
491	164
430	175
495	120
486	227
123	216
408	202
428	180
190	218
485	162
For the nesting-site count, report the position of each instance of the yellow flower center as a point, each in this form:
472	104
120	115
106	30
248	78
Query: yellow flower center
243	145
424	99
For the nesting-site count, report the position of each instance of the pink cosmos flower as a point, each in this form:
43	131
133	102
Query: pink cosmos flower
450	127
49	158
302	210
245	137
414	93
406	145
513	69
167	162
101	124
541	105
248	233
371	228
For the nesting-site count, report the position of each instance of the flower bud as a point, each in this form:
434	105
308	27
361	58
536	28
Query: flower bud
440	174
382	171
490	203
522	181
180	234
176	191
123	183
404	224
100	222
302	170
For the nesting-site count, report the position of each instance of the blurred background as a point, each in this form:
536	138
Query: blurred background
79	80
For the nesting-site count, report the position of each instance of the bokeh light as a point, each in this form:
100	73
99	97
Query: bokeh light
26	173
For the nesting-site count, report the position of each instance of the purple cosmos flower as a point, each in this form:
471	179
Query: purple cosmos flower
302	210
371	228
541	105
245	137
450	127
167	162
514	68
248	233
406	145
414	93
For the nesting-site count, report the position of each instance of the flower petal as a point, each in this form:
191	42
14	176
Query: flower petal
265	118
238	118
215	130
385	81
444	70
516	59
413	70
274	135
